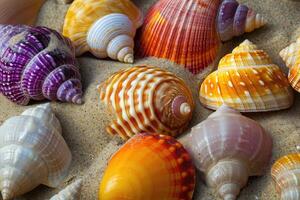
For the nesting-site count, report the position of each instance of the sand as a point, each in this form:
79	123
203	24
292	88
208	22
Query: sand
84	126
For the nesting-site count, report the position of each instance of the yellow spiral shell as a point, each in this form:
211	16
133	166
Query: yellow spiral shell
248	81
147	99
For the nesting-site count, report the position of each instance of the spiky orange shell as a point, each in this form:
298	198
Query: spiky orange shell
142	99
248	81
149	167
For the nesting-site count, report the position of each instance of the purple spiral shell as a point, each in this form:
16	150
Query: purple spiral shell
37	63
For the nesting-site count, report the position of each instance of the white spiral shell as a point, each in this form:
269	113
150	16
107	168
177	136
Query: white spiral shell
71	192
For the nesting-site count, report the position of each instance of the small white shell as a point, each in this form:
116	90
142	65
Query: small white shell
71	192
33	152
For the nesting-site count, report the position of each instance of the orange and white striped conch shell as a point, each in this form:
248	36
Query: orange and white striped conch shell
286	175
105	28
248	81
147	99
291	56
149	167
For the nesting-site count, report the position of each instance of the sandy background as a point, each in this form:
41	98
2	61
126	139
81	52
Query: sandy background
83	126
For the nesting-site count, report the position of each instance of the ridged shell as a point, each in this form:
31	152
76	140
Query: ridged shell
37	63
228	148
33	152
291	56
19	11
106	28
147	99
248	81
286	175
149	167
71	192
189	32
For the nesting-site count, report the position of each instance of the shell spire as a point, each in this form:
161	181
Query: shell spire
106	28
71	192
248	81
147	99
33	152
37	63
235	19
228	148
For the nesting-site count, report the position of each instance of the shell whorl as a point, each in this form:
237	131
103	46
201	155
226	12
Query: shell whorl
228	148
286	175
235	19
71	192
33	152
105	28
37	63
248	81
147	99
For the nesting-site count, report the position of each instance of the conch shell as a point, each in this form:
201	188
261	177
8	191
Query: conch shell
248	81
228	148
106	28
72	192
33	152
149	167
37	63
147	99
189	32
291	56
19	11
286	175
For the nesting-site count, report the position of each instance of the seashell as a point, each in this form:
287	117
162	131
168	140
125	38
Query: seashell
148	167
19	11
37	63
147	99
291	56
228	148
33	152
72	192
105	28
286	175
248	81
189	32
65	1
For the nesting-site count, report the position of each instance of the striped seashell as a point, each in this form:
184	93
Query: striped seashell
33	152
228	148
248	81
149	167
37	63
286	175
71	192
189	32
106	28
291	56
147	99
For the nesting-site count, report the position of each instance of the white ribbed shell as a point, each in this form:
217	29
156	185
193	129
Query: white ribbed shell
71	192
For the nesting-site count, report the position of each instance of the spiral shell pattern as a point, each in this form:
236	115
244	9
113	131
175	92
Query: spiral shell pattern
166	171
248	81
71	192
37	63
286	175
147	99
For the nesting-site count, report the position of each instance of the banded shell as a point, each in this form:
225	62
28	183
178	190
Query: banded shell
248	81
19	11
37	63
148	167
33	152
189	32
228	148
286	175
291	56
71	192
147	99
105	28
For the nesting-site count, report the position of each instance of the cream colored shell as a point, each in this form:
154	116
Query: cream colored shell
71	192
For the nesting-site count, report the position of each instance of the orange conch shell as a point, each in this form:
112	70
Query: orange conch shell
286	175
149	167
248	81
147	99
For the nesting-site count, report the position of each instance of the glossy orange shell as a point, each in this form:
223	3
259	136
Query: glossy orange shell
149	167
